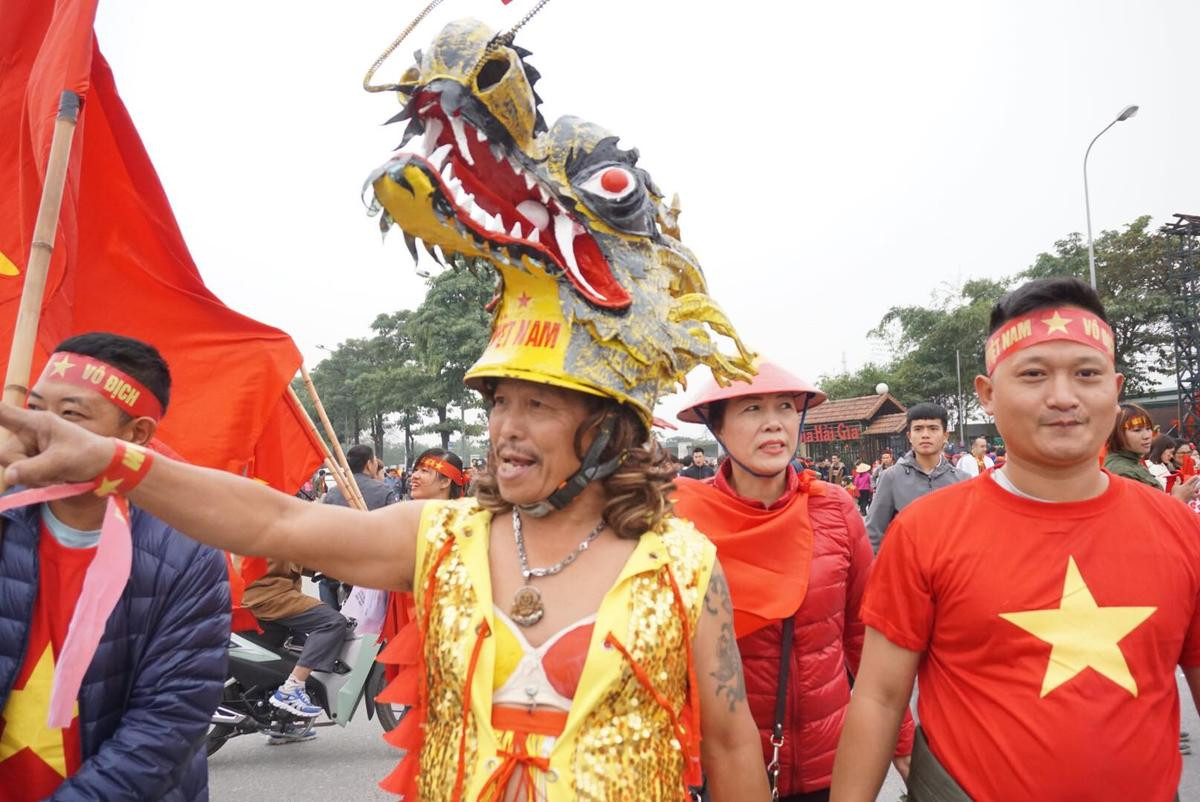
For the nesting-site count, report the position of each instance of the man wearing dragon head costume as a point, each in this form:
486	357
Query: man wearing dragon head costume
531	677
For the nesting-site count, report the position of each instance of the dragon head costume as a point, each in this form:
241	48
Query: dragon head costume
595	293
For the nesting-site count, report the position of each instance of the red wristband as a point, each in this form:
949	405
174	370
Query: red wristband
129	466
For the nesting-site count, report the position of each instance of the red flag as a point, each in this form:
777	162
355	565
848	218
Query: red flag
279	446
120	263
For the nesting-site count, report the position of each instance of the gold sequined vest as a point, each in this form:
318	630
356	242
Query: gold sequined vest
631	731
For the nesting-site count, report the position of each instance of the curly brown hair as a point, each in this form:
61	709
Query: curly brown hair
637	493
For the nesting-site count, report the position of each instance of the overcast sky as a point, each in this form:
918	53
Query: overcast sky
833	159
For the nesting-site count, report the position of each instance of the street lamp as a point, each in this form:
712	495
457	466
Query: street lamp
1125	114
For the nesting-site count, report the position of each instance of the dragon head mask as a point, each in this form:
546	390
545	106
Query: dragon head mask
595	292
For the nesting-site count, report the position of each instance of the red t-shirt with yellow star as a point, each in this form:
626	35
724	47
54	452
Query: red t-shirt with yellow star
1050	634
35	759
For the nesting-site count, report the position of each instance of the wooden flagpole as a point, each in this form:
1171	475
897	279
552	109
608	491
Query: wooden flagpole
354	498
20	355
29	313
333	438
351	498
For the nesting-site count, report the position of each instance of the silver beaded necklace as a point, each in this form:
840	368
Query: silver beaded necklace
527	606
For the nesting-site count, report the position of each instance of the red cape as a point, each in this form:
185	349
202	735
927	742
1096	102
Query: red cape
766	553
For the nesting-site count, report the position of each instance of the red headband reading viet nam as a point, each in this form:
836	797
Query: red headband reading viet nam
444	468
1046	325
130	395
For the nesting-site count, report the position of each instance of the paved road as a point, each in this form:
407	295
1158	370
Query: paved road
346	764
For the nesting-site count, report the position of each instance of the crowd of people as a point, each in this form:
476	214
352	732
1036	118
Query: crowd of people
783	651
581	616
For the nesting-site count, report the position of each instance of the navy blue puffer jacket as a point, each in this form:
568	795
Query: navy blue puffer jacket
146	699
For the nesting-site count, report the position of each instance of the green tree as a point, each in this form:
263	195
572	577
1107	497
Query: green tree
860	382
354	399
333	378
1131	276
930	341
400	378
1131	268
449	331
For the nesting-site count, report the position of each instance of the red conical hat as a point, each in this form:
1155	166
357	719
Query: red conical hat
771	379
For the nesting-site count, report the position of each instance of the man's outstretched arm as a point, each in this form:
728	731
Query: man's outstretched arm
882	689
373	549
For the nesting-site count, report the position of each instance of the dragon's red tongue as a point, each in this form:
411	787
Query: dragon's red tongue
586	266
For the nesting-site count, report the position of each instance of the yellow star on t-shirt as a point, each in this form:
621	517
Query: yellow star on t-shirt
1057	323
25	718
1083	634
62	366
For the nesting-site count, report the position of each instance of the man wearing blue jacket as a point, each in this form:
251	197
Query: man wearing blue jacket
144	705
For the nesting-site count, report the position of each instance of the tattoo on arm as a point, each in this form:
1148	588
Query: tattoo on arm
717	600
731	683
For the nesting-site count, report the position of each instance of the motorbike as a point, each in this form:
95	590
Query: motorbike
260	662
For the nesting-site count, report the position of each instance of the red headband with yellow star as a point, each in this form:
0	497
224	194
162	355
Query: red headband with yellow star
444	468
1045	325
117	386
1138	422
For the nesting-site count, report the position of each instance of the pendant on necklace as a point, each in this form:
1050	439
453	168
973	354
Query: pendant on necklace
527	608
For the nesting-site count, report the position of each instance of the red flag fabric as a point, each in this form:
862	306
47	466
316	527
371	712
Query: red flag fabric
286	440
120	263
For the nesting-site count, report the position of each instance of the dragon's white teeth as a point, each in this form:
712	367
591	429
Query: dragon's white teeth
564	235
534	236
545	196
516	168
478	215
516	231
497	154
460	137
433	130
493	223
480	135
535	213
529	182
438	156
448	173
460	195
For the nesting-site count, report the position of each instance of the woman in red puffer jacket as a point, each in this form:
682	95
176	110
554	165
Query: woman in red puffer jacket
794	549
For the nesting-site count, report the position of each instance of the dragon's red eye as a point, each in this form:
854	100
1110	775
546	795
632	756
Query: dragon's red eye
614	183
614	179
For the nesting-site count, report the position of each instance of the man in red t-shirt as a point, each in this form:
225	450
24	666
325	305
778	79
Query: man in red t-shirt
1044	606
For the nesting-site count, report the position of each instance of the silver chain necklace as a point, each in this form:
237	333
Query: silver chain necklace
527	607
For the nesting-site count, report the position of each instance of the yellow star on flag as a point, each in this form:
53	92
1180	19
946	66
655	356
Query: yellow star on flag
62	366
25	718
7	266
1057	323
108	486
1083	634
